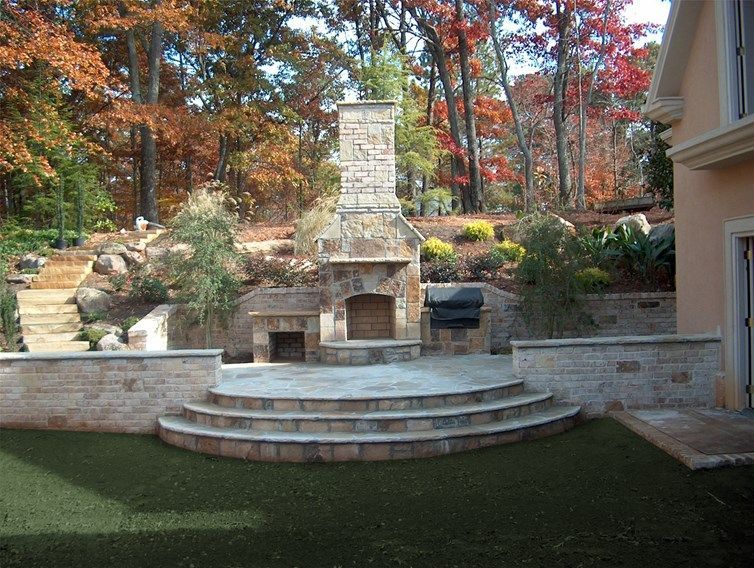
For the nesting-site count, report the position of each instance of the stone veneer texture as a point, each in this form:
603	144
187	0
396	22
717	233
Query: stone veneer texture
102	391
369	248
616	373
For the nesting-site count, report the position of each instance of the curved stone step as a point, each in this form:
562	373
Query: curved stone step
345	446
409	420
222	396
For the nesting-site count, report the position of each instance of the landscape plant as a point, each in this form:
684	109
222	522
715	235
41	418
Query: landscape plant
7	308
148	289
508	251
129	322
650	260
274	272
205	272
434	249
593	280
442	270
312	223
551	295
479	230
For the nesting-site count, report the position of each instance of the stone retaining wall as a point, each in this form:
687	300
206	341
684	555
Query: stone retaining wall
102	391
614	315
616	373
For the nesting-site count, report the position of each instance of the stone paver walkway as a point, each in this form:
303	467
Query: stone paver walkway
424	376
699	438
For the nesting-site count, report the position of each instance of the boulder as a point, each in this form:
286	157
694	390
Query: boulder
137	246
111	342
111	248
566	224
132	258
156	252
110	264
91	300
31	262
637	221
106	327
18	278
661	232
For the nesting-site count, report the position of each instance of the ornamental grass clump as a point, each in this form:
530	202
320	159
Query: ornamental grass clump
205	272
478	231
312	223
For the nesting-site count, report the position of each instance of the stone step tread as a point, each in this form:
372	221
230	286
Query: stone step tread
182	425
46	293
50	337
53	285
59	347
83	257
42	309
45	328
230	390
26	319
397	414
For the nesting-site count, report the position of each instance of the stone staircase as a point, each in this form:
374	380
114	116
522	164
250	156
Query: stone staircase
303	429
49	316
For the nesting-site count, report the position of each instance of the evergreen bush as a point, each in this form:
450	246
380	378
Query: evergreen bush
479	230
205	271
508	251
436	249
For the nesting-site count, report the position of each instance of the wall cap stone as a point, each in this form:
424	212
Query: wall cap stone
86	355
618	340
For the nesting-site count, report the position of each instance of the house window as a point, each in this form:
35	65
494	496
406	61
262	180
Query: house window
743	25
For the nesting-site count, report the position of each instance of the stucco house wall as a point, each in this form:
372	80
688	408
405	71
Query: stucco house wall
690	91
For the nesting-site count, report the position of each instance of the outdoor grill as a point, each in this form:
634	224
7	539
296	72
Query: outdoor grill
454	307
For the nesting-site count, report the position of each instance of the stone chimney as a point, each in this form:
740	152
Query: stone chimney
367	156
369	255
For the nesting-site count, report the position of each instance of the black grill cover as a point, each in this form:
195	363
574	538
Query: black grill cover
454	307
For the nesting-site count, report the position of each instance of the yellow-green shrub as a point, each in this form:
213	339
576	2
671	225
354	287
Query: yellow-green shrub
435	249
508	251
479	230
593	280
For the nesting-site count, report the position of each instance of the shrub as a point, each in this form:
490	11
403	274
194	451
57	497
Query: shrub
7	308
148	290
91	317
479	230
599	246
552	299
508	251
649	260
483	266
593	280
92	336
435	249
268	271
205	272
312	223
128	323
118	281
445	270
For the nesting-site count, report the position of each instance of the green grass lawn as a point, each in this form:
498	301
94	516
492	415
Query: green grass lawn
596	496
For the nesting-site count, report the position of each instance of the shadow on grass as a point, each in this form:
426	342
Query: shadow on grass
595	496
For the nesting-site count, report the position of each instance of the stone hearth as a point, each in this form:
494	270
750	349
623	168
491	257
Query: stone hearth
369	253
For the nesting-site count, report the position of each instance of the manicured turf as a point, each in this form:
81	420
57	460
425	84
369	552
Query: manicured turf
597	496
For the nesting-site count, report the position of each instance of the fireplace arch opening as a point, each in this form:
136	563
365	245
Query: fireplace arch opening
370	316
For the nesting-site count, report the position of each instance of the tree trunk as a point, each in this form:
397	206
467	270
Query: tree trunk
148	199
584	103
560	84
420	210
518	126
222	161
434	44
475	196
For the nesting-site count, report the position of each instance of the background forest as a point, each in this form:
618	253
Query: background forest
504	105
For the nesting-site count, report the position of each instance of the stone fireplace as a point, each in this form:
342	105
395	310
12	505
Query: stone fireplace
369	255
